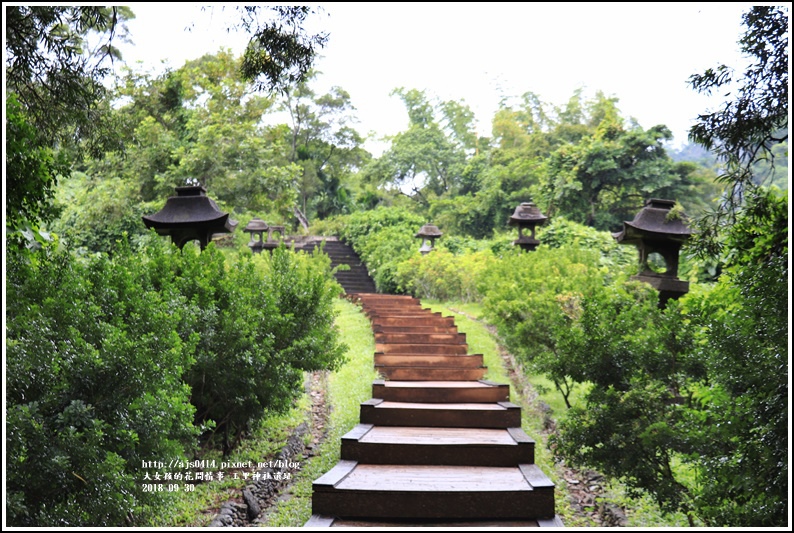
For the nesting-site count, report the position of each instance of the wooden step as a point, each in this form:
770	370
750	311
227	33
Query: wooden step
412	373
353	490
440	349
429	360
415	329
370	444
420	338
474	391
414	321
462	415
319	521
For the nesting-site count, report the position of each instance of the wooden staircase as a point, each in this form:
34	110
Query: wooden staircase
354	280
437	445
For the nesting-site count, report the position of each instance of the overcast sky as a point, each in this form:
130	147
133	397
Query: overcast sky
641	53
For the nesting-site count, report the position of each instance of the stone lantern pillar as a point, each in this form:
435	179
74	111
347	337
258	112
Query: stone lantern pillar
527	215
658	234
428	232
190	215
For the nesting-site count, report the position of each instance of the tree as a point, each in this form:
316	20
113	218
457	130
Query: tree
606	177
280	53
719	406
56	75
427	160
749	126
326	146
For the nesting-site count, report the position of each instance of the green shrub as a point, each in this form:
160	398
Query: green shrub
94	387
440	275
263	320
383	238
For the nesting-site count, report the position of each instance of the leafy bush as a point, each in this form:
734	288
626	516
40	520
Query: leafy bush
113	362
383	238
263	320
440	275
560	232
94	387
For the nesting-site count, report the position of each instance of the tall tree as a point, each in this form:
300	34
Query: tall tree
327	147
427	160
751	124
281	52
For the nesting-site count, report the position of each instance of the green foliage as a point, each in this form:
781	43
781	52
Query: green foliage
531	297
94	387
746	133
31	172
561	232
744	330
441	275
597	181
280	53
57	76
117	361
264	319
96	213
383	238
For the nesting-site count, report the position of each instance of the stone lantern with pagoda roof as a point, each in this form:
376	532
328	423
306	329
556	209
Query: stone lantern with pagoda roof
527	215
428	232
658	232
190	216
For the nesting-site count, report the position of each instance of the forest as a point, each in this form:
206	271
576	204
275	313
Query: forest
122	348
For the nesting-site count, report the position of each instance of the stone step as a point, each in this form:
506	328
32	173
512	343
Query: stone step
415	329
420	338
429	360
441	349
412	373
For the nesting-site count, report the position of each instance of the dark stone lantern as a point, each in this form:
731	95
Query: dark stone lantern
527	215
658	234
190	215
257	228
428	233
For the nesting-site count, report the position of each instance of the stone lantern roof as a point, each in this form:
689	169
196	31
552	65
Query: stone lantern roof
654	222
190	215
428	232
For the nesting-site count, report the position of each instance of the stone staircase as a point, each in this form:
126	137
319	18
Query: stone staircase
437	445
354	280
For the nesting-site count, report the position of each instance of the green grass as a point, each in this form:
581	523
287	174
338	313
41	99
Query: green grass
198	508
347	389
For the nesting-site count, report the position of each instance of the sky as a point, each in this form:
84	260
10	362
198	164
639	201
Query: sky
478	53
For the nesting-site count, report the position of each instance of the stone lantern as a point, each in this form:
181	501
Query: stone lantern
658	234
190	215
527	215
257	228
428	233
